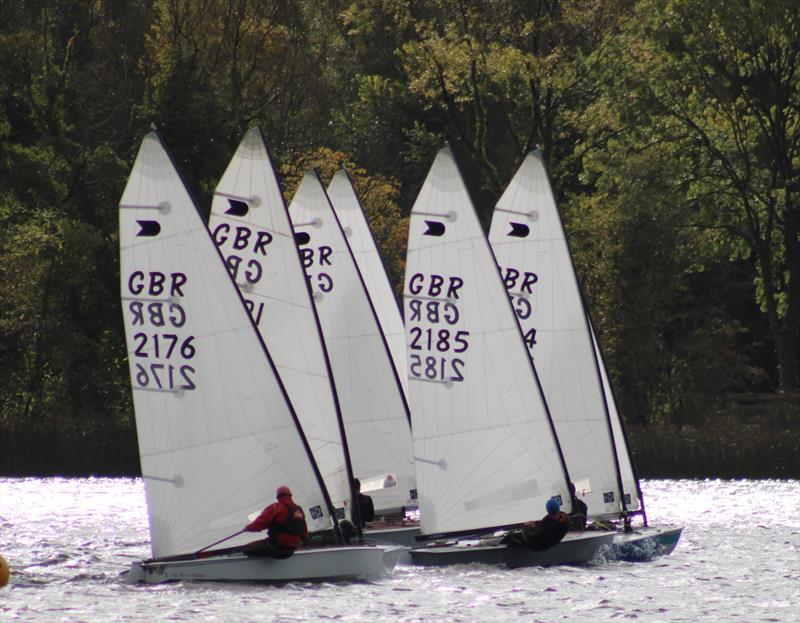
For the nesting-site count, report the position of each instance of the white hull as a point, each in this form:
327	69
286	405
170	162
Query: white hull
575	548
307	565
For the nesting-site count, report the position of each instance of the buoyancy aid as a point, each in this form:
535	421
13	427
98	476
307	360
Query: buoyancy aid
292	530
547	532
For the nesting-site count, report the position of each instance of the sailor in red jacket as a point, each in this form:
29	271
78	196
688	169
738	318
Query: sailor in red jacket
286	525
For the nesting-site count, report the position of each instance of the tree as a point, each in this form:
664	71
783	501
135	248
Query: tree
721	82
495	79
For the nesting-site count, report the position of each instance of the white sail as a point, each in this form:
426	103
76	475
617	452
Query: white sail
483	444
372	401
354	222
250	224
216	431
531	249
629	480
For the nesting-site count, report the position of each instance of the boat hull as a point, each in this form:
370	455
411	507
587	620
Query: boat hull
575	548
404	536
400	535
307	565
643	544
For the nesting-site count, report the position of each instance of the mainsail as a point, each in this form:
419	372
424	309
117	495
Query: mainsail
250	225
372	400
485	449
216	431
359	236
529	242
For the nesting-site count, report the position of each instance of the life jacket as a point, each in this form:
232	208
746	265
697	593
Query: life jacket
546	533
292	530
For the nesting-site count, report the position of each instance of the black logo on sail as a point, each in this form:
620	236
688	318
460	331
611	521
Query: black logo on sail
301	238
435	228
519	230
236	207
148	228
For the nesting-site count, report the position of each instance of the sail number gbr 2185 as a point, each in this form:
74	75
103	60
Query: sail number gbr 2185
435	342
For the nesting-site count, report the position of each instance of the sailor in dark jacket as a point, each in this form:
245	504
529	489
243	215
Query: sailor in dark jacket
580	512
543	534
366	509
286	525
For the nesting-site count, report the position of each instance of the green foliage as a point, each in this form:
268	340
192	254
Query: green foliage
671	131
719	84
378	195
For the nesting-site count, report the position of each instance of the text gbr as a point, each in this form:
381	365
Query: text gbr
234	242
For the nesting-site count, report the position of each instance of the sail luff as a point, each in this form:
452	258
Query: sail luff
595	350
612	403
354	506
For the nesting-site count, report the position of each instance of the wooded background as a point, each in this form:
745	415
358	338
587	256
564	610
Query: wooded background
670	128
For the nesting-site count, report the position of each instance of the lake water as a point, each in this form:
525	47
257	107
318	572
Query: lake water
67	540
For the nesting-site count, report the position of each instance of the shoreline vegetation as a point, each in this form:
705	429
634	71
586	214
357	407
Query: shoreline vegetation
670	131
748	436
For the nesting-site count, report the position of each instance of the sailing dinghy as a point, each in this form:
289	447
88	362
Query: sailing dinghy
374	408
486	453
530	244
250	225
217	433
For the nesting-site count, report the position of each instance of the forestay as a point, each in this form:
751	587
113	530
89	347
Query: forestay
528	239
484	447
216	431
372	401
359	236
250	225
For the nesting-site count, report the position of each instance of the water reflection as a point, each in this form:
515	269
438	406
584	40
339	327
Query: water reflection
67	540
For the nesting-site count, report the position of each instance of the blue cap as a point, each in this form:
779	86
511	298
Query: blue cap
553	505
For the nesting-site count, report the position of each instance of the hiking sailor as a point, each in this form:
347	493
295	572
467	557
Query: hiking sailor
286	525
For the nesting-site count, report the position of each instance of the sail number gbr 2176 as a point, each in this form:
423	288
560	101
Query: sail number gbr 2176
435	342
161	352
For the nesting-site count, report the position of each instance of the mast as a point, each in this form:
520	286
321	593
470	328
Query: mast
592	339
301	433
531	185
533	370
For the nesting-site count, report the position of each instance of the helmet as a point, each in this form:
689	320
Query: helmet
553	505
283	490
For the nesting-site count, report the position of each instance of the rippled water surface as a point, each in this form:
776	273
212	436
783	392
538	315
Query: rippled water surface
67	540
